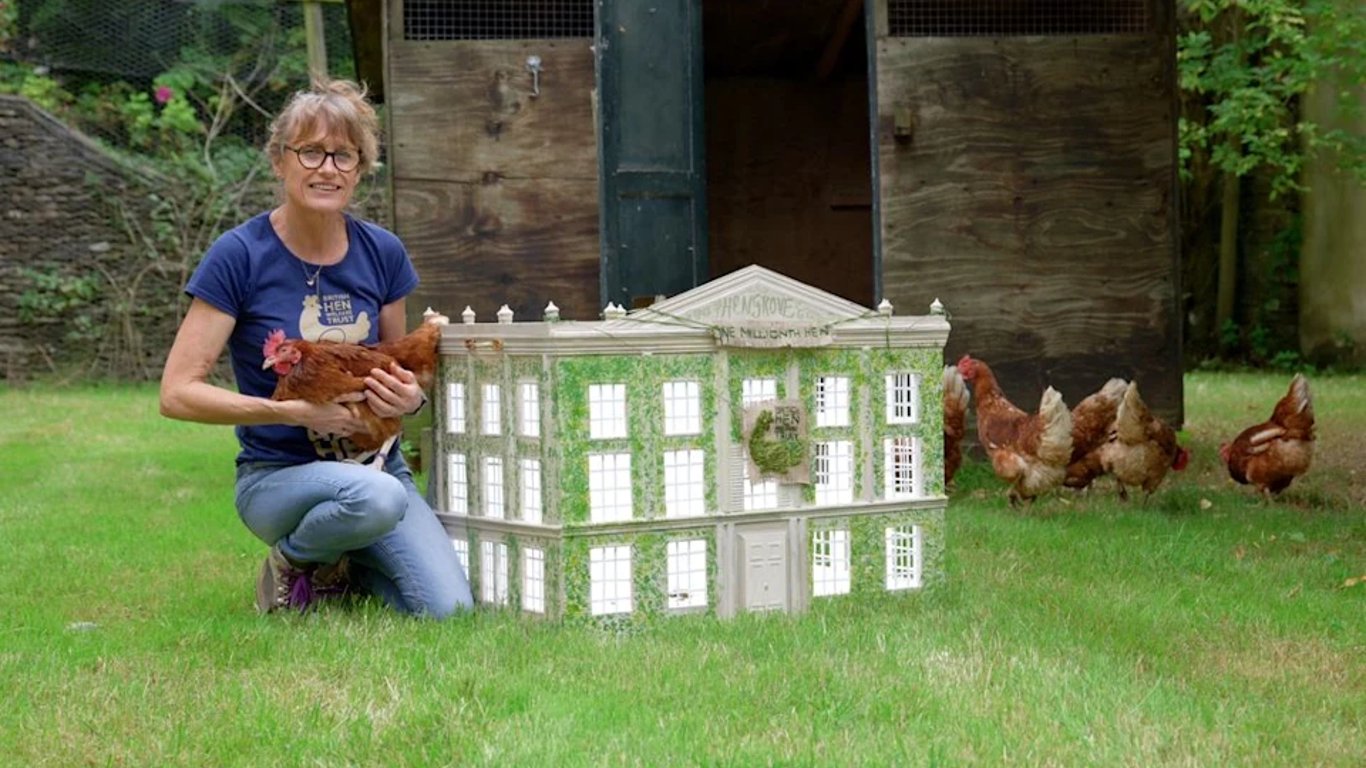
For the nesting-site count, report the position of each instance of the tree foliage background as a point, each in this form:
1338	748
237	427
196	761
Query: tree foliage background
182	90
1244	69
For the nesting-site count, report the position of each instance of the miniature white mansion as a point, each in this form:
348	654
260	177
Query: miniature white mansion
749	445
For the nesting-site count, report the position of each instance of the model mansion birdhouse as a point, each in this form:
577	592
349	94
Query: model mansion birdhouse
749	445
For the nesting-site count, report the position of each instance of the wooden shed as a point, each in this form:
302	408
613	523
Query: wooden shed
1015	159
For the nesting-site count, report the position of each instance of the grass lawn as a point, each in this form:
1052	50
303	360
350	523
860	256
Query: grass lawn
1207	628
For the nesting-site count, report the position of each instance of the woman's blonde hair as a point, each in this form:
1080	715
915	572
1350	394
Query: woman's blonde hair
329	105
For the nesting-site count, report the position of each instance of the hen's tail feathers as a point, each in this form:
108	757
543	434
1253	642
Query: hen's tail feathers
1055	443
1295	411
1114	389
955	389
1299	390
1131	420
426	337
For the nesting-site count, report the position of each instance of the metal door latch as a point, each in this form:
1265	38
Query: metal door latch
533	65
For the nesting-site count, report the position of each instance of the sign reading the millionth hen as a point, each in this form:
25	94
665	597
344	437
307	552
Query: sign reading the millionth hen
758	333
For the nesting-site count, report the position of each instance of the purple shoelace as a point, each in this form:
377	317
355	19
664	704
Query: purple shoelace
301	591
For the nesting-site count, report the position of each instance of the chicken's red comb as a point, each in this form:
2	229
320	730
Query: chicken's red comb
273	341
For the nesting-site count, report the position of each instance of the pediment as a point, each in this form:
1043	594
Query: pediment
755	294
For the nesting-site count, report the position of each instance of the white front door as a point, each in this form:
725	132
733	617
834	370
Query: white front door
763	568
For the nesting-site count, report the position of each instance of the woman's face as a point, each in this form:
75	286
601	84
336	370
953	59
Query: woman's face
326	188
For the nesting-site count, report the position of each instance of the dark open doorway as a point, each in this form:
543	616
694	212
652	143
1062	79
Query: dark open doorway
789	182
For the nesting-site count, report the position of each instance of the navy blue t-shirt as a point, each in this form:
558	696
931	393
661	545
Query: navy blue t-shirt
250	274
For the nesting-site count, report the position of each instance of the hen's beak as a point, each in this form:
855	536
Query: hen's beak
270	361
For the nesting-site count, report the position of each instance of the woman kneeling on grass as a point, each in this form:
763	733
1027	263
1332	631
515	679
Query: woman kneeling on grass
333	522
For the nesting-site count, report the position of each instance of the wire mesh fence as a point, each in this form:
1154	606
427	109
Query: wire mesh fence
496	19
1003	18
255	48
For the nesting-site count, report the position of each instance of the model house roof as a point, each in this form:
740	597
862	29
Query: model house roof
751	307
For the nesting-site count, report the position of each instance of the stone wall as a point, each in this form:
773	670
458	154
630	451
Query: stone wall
62	248
81	295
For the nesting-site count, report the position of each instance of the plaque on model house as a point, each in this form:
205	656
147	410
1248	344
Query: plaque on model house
750	445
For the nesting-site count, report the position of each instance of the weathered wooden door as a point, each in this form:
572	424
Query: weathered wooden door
1026	178
653	200
493	155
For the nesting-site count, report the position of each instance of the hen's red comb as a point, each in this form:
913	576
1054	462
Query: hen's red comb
273	341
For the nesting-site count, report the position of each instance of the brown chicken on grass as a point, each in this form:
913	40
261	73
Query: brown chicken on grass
322	371
955	420
1141	448
1270	455
1092	421
1029	451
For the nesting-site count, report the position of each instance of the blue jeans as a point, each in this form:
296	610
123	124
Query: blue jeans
317	512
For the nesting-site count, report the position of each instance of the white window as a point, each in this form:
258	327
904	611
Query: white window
462	553
493	487
903	398
531	489
830	562
687	565
457	485
606	411
684	491
455	407
760	495
493	399
533	579
529	409
834	472
832	401
758	390
682	408
901	459
903	557
609	580
609	487
493	572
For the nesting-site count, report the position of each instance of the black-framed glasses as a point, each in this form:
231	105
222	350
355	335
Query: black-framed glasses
313	158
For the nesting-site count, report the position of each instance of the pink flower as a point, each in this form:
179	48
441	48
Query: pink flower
164	94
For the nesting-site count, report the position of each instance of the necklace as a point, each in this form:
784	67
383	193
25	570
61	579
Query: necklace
310	280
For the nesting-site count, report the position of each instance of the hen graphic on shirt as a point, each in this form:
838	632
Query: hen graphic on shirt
331	318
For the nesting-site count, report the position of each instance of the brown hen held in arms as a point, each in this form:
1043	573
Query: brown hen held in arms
322	371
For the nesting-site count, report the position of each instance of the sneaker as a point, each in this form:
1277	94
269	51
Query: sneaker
282	584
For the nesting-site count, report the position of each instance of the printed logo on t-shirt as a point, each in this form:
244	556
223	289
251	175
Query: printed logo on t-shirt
332	318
